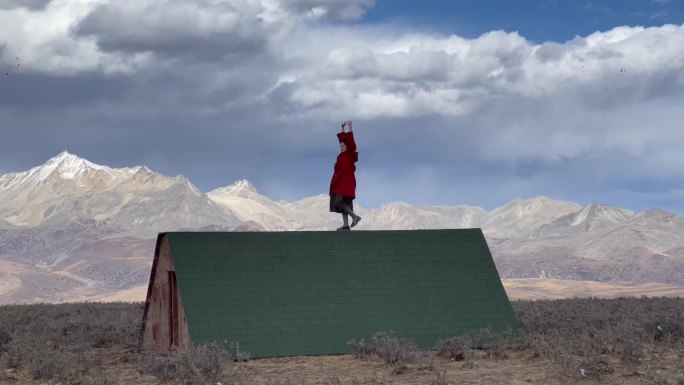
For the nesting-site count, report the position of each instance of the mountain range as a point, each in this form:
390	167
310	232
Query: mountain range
72	228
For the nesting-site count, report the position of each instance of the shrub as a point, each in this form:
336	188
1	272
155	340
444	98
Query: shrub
5	338
455	348
48	363
632	353
361	348
391	349
237	354
3	366
198	364
74	324
103	377
668	332
581	334
494	344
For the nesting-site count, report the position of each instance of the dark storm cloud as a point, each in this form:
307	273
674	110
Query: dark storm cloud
203	30
38	91
34	5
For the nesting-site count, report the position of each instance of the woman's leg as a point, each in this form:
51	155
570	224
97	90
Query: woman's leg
337	205
346	207
348	210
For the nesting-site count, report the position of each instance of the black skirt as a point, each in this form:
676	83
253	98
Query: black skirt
338	202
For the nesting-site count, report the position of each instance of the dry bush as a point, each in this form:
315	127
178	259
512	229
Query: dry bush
238	354
361	348
585	338
495	344
74	324
48	362
462	348
632	353
200	364
580	334
438	378
3	366
103	377
59	342
5	338
391	349
456	348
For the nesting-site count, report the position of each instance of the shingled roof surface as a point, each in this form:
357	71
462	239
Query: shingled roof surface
308	293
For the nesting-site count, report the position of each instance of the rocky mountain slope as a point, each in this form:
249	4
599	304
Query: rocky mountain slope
92	228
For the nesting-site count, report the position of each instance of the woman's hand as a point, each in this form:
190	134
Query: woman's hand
349	123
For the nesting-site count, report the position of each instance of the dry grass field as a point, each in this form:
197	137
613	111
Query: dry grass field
540	288
569	341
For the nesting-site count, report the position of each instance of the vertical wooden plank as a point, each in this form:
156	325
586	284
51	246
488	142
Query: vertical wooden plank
156	320
173	310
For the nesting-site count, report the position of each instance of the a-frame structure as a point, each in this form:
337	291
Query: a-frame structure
308	293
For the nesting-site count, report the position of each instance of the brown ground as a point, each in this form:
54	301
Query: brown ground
538	288
25	284
575	333
122	366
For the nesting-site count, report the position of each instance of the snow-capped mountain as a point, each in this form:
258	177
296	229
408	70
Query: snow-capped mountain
130	201
524	216
71	226
403	216
597	215
536	237
242	199
92	226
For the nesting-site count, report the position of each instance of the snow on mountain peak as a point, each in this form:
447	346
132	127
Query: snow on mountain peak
598	212
537	206
67	165
240	188
79	173
182	180
243	185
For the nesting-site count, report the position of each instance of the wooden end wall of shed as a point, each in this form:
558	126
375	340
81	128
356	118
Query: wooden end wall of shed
164	323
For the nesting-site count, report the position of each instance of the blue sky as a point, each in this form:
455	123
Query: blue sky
538	21
457	102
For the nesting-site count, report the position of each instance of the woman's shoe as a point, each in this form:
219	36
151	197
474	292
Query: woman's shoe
343	228
355	221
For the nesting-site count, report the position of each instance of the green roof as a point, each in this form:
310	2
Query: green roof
308	293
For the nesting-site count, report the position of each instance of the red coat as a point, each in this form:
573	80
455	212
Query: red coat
343	180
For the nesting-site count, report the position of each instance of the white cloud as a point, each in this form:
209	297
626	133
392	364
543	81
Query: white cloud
446	75
41	38
338	9
177	28
503	101
455	76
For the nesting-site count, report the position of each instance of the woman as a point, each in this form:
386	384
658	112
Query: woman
343	183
